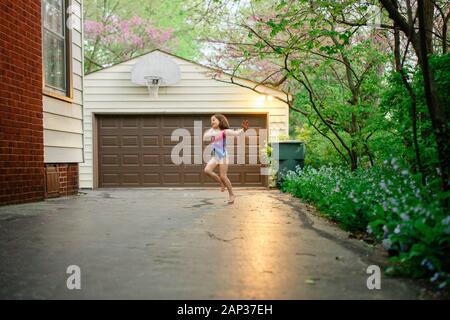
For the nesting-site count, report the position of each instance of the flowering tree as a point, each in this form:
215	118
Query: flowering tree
117	30
121	39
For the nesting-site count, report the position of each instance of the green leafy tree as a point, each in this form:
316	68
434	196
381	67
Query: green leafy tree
331	71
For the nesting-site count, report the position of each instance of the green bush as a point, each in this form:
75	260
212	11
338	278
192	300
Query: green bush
391	205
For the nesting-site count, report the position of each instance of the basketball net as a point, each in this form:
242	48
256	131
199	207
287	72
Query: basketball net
153	85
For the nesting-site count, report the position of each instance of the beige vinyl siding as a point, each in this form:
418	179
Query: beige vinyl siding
63	121
64	139
110	91
54	106
61	155
78	82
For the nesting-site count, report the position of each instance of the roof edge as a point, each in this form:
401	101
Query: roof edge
190	61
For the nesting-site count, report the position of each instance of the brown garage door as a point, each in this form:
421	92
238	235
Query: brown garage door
134	151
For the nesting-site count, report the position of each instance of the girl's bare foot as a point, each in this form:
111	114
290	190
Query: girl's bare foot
222	187
231	200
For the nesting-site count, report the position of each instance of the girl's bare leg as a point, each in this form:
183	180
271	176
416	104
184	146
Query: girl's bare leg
209	170
223	169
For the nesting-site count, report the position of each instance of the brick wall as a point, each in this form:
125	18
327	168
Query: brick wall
61	179
68	179
21	124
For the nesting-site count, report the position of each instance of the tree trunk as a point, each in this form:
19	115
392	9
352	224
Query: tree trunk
354	157
428	8
438	115
437	110
398	66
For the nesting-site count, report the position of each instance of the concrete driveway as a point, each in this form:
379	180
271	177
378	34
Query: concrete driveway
184	244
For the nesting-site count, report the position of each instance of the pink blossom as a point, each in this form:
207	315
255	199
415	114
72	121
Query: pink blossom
165	36
151	32
131	33
93	27
136	21
137	41
125	27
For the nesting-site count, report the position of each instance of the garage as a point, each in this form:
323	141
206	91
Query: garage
127	130
135	151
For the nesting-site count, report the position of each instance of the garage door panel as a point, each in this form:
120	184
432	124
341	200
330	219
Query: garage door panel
167	140
130	141
151	160
164	131
110	160
112	132
151	122
109	141
131	178
167	150
130	122
151	179
171	122
130	160
235	177
150	171
110	178
167	161
252	177
109	122
192	178
193	168
150	140
123	150
208	182
151	149
125	132
135	150
171	178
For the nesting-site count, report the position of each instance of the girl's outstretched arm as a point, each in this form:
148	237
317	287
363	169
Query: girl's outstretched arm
231	132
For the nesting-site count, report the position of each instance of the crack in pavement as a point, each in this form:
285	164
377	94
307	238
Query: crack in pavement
204	202
213	236
305	254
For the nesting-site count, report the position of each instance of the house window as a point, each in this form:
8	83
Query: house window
56	47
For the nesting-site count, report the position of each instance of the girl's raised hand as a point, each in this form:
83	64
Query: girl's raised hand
245	125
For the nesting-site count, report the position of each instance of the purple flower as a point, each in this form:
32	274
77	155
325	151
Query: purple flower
435	277
404	217
387	244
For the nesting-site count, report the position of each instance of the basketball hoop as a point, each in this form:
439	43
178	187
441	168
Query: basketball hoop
153	83
155	70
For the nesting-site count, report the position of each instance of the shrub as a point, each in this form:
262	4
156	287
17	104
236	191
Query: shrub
391	205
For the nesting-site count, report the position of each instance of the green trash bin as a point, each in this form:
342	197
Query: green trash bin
290	155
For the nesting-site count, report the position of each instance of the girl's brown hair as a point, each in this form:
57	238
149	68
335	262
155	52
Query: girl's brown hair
223	121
